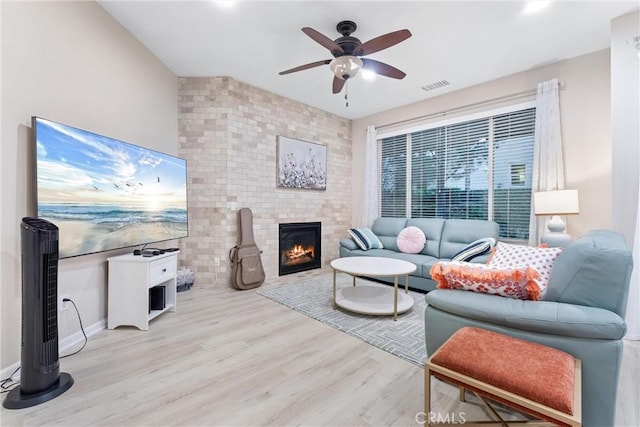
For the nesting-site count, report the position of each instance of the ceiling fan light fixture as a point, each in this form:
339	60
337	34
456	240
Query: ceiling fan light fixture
346	66
347	50
368	74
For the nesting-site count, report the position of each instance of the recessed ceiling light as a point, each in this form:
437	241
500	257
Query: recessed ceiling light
536	5
226	4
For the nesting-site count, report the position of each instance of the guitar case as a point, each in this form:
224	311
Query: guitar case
246	264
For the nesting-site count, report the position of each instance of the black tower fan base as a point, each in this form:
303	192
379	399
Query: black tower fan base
17	400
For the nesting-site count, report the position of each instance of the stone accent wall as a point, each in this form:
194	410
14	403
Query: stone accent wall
228	133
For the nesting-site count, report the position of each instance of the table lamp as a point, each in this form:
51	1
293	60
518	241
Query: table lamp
556	203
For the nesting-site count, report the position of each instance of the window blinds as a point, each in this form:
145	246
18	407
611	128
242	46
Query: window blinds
393	176
478	169
512	171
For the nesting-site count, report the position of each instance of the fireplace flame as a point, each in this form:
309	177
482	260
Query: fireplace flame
298	254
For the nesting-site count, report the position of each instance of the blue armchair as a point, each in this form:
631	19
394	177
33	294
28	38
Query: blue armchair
582	313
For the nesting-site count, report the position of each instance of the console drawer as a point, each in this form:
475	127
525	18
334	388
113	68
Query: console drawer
161	270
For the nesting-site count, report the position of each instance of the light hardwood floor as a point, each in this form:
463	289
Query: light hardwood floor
235	358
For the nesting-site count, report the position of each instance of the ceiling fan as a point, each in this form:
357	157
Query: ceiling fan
347	52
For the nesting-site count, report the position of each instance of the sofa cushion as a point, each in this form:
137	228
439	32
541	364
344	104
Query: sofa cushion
411	240
506	282
427	264
432	229
544	317
387	230
349	244
458	233
594	270
365	238
419	260
387	253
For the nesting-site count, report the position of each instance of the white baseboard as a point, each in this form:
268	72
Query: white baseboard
65	346
73	342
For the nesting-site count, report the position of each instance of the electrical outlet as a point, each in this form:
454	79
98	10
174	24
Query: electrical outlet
216	261
63	305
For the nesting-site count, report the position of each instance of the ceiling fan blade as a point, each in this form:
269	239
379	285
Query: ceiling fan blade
323	40
305	67
338	84
382	68
382	42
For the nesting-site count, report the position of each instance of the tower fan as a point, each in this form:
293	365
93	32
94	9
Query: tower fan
40	377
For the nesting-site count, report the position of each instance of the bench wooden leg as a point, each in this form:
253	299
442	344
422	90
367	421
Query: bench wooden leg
427	395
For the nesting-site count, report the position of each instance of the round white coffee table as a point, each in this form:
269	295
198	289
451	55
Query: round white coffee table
373	299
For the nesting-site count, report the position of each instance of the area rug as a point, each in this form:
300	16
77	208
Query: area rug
313	297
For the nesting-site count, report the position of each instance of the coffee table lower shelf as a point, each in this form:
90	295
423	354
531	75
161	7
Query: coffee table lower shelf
372	300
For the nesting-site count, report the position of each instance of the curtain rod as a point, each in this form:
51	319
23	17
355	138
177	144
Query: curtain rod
461	108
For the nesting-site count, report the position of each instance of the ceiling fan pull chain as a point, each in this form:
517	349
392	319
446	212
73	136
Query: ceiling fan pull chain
346	94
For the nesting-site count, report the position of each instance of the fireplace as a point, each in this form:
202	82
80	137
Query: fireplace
299	247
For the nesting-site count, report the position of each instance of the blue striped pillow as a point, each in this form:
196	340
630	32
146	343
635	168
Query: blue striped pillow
365	238
473	249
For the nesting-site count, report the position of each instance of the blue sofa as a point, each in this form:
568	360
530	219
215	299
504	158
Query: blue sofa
582	313
444	239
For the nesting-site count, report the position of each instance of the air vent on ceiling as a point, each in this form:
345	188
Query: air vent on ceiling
435	85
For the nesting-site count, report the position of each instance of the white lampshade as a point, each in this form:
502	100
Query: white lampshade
556	202
346	66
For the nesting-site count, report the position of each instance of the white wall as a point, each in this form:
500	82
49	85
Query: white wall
72	63
625	131
586	129
625	134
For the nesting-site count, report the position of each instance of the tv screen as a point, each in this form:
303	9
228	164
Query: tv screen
106	194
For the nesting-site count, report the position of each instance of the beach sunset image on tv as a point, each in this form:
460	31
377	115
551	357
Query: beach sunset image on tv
105	194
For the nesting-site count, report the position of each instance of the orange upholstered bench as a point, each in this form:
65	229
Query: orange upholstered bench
532	378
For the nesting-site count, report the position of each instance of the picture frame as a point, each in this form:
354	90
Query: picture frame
301	164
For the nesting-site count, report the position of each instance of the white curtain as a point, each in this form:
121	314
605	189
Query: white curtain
548	164
370	196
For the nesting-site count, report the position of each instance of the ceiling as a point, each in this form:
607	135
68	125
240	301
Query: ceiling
463	42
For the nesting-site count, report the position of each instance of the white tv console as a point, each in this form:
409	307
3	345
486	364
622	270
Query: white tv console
130	279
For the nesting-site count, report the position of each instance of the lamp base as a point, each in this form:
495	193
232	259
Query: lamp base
556	237
556	240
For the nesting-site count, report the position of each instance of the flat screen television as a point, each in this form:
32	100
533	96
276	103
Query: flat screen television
106	194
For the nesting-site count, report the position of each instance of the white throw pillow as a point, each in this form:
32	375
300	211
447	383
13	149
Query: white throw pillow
513	256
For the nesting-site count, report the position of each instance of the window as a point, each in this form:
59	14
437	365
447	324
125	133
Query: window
477	169
518	174
394	176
